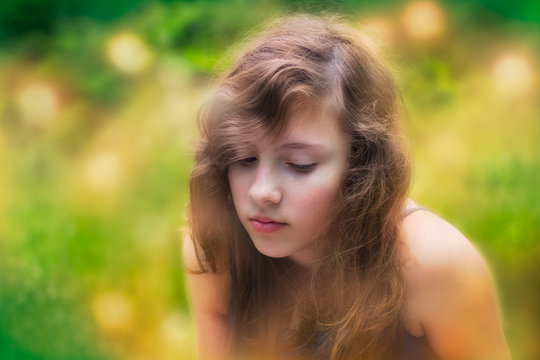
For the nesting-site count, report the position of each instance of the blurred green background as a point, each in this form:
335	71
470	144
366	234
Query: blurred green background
97	116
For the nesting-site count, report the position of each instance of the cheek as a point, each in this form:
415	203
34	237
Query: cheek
239	186
316	200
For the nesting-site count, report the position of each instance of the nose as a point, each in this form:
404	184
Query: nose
265	189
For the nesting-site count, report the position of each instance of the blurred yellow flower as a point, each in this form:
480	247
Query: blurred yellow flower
128	53
513	75
423	20
113	312
37	103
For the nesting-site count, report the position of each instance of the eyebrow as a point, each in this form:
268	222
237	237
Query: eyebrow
300	146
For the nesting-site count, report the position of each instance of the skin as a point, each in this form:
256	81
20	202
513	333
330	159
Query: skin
303	169
450	297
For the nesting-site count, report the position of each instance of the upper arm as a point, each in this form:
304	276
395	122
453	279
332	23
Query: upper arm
209	294
451	293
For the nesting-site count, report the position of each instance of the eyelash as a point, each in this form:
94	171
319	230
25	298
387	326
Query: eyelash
299	168
302	169
247	161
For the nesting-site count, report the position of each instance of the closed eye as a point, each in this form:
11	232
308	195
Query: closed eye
247	161
302	168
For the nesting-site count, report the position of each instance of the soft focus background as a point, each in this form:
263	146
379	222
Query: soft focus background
97	114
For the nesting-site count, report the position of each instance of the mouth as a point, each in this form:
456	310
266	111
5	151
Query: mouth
265	225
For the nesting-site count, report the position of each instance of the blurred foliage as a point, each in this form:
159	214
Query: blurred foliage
98	102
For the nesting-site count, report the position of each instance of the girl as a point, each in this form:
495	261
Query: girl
302	241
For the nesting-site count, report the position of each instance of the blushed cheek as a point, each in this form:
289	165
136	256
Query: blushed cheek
316	205
323	190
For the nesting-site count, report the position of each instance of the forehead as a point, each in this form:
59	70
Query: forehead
309	125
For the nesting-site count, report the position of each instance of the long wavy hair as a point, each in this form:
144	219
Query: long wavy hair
347	306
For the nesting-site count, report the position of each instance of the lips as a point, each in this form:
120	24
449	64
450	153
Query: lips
265	224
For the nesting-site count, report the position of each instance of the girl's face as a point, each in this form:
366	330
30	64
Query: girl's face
285	191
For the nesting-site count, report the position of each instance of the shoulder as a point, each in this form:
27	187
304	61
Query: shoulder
209	294
209	291
437	259
189	254
450	296
430	243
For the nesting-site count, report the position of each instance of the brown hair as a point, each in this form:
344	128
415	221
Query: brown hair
348	306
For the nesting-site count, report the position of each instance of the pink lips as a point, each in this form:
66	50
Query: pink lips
265	225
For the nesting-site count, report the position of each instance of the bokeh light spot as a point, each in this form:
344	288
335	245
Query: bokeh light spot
513	75
37	103
103	172
113	312
128	53
423	20
175	330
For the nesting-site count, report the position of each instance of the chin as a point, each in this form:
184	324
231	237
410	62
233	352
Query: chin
271	251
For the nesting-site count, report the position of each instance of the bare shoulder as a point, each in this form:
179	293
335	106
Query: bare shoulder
450	295
435	257
209	294
430	243
189	254
207	289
